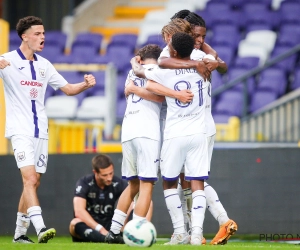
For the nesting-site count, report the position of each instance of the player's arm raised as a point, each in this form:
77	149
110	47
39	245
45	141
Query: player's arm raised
137	68
81	213
142	92
76	88
182	95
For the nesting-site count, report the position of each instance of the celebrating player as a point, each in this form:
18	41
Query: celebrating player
26	76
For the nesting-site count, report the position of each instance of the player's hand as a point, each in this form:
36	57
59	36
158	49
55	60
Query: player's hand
4	63
203	70
103	231
128	88
211	64
89	80
184	96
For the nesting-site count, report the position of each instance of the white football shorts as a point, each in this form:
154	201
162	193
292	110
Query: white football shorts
140	159
190	151
210	144
30	151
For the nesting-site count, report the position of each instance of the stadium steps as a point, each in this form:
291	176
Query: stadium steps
127	18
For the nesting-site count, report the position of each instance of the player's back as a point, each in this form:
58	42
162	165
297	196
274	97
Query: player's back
141	117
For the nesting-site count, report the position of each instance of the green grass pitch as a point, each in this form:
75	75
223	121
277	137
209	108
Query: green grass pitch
65	243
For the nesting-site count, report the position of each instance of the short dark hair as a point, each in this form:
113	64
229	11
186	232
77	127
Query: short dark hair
183	44
150	51
181	14
101	161
26	22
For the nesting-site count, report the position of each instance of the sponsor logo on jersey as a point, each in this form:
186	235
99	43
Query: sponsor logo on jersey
21	68
21	156
42	73
33	93
92	195
31	83
78	189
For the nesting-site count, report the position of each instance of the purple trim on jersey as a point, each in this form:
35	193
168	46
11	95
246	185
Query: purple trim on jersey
201	178
35	119
21	54
23	57
32	70
170	179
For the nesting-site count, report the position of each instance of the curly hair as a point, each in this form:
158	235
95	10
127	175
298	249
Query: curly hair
183	43
26	22
195	19
150	51
177	25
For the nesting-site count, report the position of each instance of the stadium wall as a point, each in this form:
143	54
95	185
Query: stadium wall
259	188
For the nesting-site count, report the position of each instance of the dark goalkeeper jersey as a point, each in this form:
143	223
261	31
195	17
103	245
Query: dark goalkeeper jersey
100	203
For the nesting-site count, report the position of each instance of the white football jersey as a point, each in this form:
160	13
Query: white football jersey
210	123
141	117
25	84
182	118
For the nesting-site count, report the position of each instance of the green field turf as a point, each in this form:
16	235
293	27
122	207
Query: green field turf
64	243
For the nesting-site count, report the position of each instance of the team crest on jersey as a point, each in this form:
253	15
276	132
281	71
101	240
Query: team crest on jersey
42	73
78	189
111	195
21	156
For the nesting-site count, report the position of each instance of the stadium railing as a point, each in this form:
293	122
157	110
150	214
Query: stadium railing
277	122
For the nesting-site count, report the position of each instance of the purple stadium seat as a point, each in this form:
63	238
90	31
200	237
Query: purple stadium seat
287	64
267	17
289	35
56	38
247	62
121	107
120	56
95	39
216	79
230	103
51	52
83	52
254	7
295	83
226	53
14	40
229	17
72	76
121	84
234	73
215	8
289	12
276	85
155	39
125	39
257	26
260	99
225	35
221	118
49	92
98	89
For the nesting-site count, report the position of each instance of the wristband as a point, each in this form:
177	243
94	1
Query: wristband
98	227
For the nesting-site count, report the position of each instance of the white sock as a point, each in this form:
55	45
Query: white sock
35	215
175	210
214	205
134	216
117	221
198	212
23	223
183	202
187	192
